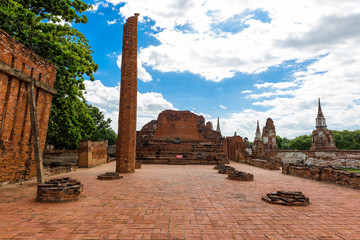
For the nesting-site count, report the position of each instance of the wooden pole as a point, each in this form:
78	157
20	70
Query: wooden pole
35	133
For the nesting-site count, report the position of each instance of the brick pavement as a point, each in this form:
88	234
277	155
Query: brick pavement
181	202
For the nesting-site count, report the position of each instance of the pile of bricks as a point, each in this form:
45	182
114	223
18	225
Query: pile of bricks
109	176
288	198
240	176
59	190
225	169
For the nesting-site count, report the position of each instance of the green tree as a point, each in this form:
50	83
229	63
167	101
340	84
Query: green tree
347	139
103	130
35	23
279	142
301	143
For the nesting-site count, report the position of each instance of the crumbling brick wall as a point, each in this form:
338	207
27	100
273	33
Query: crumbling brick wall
18	67
180	137
236	149
325	174
92	153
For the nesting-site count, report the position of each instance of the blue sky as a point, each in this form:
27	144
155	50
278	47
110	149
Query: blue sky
241	61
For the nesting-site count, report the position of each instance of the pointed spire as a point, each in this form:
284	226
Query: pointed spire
218	125
320	114
235	133
258	127
320	119
258	133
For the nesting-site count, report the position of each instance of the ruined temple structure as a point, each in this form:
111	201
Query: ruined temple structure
180	137
126	143
218	126
20	69
258	145
322	138
269	136
236	149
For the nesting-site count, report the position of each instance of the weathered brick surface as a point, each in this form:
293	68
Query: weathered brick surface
267	164
325	174
59	190
236	149
182	202
269	136
16	150
338	159
126	144
180	137
92	153
178	124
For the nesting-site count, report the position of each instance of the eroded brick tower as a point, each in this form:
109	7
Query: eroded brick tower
126	143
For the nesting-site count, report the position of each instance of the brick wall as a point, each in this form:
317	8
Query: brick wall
325	174
178	124
92	153
191	152
236	149
17	66
339	158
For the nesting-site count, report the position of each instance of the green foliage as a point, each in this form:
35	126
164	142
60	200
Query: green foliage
282	143
352	170
33	23
298	143
103	130
347	139
301	143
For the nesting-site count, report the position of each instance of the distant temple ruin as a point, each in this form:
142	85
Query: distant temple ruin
180	137
265	142
322	138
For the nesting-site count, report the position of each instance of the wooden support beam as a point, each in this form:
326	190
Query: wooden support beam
23	77
35	133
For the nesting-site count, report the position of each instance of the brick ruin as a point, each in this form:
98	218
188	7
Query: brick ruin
258	146
322	138
236	148
264	143
126	143
92	153
269	136
19	67
180	137
59	190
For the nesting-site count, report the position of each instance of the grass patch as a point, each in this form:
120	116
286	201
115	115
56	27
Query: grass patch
352	170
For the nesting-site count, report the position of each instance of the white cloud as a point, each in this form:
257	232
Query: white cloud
247	91
278	85
114	2
297	30
222	106
335	79
96	6
143	75
149	104
112	22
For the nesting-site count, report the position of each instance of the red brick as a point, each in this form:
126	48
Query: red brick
16	149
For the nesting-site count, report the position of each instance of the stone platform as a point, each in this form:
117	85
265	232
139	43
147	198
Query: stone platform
181	202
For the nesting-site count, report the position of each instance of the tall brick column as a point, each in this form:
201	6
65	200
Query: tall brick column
126	144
